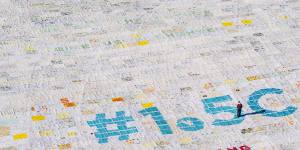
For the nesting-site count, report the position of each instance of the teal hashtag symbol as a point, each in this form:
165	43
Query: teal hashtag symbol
122	130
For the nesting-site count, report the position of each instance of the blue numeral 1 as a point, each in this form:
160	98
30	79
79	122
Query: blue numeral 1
255	96
158	118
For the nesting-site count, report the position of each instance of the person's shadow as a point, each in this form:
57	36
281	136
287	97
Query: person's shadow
253	113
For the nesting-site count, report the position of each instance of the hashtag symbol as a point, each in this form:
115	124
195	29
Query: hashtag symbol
103	133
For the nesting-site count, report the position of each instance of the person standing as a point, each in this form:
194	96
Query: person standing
239	107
